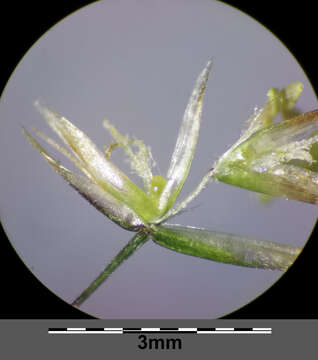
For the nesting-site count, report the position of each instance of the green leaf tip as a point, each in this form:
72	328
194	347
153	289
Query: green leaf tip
226	248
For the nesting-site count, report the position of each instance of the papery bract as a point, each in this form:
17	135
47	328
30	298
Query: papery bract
274	158
279	159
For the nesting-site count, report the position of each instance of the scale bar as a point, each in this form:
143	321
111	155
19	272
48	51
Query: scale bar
211	331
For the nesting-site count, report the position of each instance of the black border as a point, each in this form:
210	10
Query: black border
291	297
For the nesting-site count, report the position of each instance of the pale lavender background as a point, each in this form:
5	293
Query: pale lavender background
135	62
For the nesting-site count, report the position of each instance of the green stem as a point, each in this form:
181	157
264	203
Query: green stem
134	244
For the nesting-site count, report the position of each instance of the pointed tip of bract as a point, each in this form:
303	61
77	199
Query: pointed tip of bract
208	66
206	72
186	142
42	109
27	134
37	104
45	111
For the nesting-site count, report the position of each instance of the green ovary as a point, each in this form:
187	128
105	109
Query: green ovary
157	185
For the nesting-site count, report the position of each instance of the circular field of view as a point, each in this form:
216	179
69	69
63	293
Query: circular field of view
135	63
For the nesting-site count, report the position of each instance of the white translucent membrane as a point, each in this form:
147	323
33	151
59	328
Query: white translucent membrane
186	142
96	165
103	201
